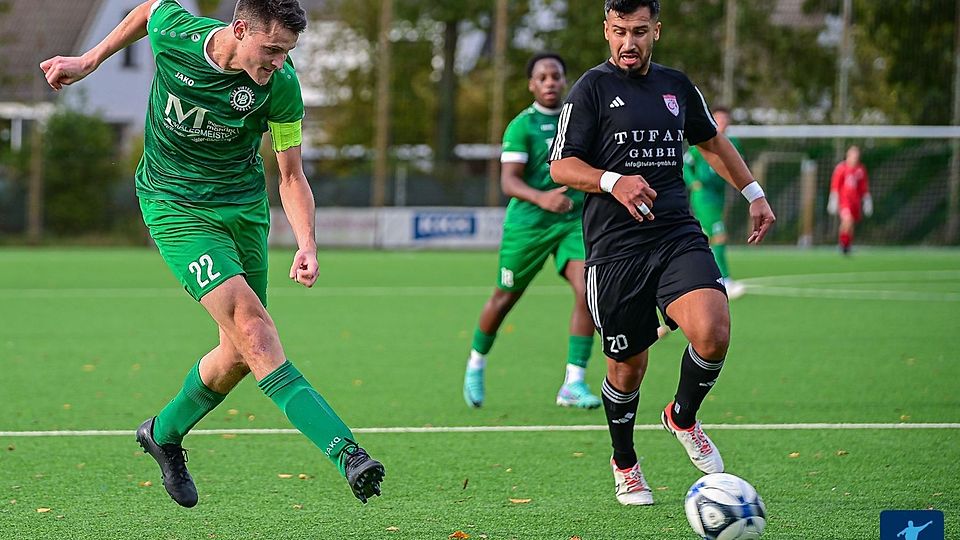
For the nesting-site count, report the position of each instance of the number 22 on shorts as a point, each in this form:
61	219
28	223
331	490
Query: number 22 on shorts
197	267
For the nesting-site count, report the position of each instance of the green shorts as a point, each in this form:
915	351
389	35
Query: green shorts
710	217
206	245
524	249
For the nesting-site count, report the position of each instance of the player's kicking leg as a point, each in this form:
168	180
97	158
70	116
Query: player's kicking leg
703	315
575	392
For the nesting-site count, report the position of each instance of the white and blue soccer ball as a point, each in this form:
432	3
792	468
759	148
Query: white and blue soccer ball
722	506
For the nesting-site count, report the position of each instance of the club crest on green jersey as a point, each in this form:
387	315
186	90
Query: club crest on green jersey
242	98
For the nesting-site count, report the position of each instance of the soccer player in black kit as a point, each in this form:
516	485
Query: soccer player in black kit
620	140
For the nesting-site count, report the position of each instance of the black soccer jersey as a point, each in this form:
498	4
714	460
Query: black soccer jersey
633	124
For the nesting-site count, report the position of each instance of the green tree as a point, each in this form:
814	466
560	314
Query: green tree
80	173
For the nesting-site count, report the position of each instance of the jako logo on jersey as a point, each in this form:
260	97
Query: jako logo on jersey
242	98
617	102
174	103
186	80
672	105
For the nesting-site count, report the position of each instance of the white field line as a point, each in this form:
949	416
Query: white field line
784	285
497	429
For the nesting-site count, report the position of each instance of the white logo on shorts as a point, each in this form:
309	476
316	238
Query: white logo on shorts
506	277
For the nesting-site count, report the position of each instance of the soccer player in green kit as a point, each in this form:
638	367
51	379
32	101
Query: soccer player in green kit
217	88
543	219
707	199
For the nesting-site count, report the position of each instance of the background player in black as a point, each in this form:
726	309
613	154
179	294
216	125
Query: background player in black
620	140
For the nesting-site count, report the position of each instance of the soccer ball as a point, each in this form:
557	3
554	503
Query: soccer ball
722	506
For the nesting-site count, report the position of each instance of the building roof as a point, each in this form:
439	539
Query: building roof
32	31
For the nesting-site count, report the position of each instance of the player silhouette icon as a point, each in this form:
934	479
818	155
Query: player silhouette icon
911	532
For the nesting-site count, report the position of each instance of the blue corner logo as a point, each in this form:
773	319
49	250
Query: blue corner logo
444	225
911	525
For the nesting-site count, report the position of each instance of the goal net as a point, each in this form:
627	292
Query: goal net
912	181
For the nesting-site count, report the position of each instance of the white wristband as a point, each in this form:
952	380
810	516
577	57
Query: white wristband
752	192
608	179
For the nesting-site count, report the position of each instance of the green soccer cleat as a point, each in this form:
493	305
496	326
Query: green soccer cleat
577	394
473	387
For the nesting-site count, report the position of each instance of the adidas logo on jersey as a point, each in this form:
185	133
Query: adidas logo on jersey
617	102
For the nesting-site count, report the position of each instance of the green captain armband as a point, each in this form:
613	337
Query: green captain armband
286	134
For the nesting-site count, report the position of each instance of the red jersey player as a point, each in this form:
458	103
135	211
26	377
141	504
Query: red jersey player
849	194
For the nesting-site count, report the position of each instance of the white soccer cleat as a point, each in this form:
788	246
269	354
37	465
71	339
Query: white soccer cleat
735	289
632	488
701	450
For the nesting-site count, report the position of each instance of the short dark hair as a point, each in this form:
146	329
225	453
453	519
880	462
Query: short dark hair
532	62
629	6
286	12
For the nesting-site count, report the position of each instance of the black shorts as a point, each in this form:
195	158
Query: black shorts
623	295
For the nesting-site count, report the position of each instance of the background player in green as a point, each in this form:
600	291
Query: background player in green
707	199
543	219
216	90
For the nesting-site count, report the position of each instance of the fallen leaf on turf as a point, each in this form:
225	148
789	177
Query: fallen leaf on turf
483	536
465	482
229	436
67	406
302	476
575	538
578	454
14	501
794	454
42	510
937	494
393	529
662	488
11	448
459	535
251	417
904	417
520	501
357	382
60	517
233	412
842	452
146	484
284	475
89	367
509	469
298	507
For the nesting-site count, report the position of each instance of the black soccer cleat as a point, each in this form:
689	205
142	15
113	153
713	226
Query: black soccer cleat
363	473
172	459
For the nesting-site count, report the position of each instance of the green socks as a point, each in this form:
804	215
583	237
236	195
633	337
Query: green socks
720	254
482	343
183	412
307	411
578	350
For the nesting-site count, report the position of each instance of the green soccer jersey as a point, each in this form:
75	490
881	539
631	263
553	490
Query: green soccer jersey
204	124
527	140
707	188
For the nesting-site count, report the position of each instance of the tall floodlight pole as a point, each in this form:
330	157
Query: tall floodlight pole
729	53
953	201
378	193
497	101
845	62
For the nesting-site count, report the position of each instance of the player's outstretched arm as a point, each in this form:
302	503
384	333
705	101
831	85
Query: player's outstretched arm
297	199
65	70
633	192
726	160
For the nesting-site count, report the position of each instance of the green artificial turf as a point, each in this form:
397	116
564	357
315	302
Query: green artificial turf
101	339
